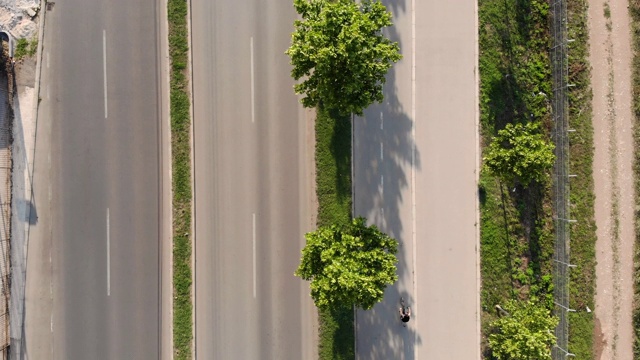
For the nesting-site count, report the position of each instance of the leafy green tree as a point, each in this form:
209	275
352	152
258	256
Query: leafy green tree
519	152
348	265
339	50
524	333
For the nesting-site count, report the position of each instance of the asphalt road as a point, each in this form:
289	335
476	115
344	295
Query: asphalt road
416	161
252	185
104	173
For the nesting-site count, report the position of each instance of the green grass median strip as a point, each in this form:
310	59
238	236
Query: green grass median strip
333	189
333	165
181	174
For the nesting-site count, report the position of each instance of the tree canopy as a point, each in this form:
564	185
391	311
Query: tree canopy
519	152
348	265
340	51
526	333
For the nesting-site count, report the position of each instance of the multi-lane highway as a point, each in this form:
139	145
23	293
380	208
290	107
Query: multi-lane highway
98	182
416	162
252	185
99	185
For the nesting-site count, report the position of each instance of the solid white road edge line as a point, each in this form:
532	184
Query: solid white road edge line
254	255
104	68
253	102
108	256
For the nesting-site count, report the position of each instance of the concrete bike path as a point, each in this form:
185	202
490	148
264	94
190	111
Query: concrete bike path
415	175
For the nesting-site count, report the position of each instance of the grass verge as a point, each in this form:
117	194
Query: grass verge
516	234
25	48
583	232
333	189
517	223
181	174
634	12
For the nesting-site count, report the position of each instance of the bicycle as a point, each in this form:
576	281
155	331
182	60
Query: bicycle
405	312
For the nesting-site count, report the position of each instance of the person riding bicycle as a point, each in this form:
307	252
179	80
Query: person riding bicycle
405	314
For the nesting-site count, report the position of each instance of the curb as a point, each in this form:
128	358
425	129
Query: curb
477	198
192	154
166	348
43	10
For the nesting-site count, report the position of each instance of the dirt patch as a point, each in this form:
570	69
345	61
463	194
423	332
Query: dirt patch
599	342
611	56
25	70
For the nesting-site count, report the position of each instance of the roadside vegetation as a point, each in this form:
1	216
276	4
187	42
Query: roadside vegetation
523	332
25	48
517	232
333	190
634	12
339	53
583	233
340	57
348	264
181	176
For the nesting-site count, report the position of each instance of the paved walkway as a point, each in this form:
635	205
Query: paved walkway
416	159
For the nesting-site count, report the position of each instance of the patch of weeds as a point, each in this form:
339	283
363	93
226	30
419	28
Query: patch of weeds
25	48
607	16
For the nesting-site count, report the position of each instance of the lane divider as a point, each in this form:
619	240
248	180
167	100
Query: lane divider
104	68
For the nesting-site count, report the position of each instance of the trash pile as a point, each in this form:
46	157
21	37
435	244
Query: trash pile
19	18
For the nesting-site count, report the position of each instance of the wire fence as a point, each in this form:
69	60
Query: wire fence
6	167
5	216
562	218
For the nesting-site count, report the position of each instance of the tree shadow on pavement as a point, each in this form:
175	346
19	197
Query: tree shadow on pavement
382	161
395	7
389	337
23	205
383	153
383	156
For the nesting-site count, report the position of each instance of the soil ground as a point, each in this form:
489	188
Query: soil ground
610	58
